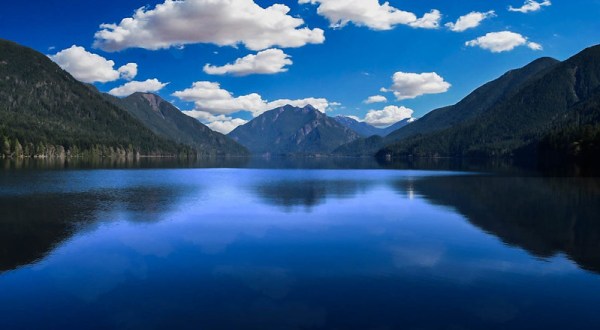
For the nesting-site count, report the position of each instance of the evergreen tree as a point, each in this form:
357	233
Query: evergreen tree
5	147
18	148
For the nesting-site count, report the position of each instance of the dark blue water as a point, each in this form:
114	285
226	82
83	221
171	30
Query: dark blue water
297	249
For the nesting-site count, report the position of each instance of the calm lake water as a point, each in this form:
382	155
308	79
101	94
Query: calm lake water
271	248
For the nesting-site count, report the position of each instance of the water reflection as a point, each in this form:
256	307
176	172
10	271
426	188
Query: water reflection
545	216
308	193
305	163
296	249
31	226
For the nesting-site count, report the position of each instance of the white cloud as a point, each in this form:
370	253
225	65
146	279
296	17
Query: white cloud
388	116
503	41
220	22
430	20
411	85
268	61
89	68
128	71
204	116
375	99
531	6
470	20
221	123
372	14
226	126
211	98
534	46
148	86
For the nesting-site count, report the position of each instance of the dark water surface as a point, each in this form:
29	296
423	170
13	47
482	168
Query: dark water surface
273	248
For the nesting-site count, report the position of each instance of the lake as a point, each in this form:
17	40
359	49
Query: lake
312	247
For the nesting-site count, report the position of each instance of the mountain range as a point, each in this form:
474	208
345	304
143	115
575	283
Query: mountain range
365	130
547	109
165	120
44	111
292	130
474	104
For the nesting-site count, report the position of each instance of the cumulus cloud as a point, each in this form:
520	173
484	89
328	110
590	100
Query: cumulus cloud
411	85
148	86
372	14
211	98
430	20
470	20
268	61
128	71
530	6
223	22
503	41
226	126
90	68
388	116
534	46
375	99
221	123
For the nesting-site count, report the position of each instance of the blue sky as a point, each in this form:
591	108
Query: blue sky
335	67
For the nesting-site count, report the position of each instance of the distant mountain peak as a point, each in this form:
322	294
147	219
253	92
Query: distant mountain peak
367	130
293	130
289	107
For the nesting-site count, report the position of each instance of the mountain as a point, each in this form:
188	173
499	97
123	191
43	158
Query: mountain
291	130
44	111
165	120
404	122
367	146
576	135
365	130
477	102
363	147
559	101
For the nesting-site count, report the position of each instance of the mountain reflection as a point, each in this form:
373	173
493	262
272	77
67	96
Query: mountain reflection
31	226
306	163
544	216
308	193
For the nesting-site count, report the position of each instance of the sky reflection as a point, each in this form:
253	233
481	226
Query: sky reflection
229	248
